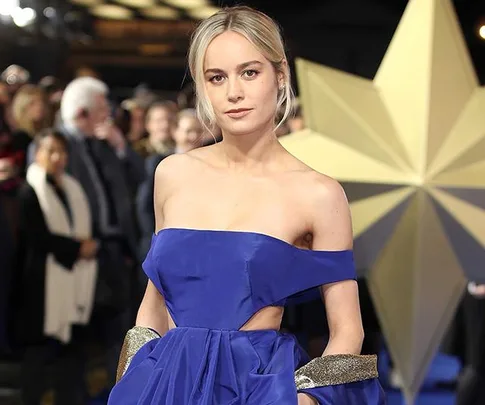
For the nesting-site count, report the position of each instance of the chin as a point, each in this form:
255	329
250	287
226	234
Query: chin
243	128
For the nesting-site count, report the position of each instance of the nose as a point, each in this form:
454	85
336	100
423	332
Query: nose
56	157
234	91
193	136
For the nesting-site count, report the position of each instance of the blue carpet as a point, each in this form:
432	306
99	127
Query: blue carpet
443	371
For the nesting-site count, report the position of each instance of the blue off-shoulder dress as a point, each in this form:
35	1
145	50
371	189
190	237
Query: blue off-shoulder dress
213	282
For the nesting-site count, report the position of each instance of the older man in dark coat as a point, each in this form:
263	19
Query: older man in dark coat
109	172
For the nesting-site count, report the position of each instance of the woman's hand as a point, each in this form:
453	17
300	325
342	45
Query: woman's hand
89	249
305	399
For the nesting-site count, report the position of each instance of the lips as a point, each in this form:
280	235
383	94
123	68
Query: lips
238	112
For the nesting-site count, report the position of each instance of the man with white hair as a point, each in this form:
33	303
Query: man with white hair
109	171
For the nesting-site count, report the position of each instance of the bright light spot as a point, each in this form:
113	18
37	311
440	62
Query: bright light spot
481	32
49	12
7	7
23	16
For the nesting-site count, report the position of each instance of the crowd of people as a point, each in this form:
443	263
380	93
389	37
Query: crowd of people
77	170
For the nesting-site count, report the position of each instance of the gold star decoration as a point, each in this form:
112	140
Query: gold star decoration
409	149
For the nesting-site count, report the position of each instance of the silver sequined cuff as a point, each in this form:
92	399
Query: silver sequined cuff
336	369
135	338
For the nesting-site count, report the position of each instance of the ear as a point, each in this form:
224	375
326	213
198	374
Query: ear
83	113
282	75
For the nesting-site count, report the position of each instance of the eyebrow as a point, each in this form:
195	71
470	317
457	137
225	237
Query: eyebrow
241	66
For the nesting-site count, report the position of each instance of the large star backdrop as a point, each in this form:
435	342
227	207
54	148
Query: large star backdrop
409	149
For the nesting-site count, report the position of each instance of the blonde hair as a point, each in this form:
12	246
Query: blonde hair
257	28
22	100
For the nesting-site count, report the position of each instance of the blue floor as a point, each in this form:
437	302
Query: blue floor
436	389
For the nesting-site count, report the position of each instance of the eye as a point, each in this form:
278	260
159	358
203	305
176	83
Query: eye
216	79
251	73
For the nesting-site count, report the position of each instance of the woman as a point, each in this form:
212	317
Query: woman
187	134
58	273
159	124
243	228
31	115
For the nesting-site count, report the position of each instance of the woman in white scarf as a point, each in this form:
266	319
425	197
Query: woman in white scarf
58	273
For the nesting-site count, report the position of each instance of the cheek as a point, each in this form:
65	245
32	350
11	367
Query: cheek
216	97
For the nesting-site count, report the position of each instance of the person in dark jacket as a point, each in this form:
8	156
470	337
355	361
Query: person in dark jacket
58	271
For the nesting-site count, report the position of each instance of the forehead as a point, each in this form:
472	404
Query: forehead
230	49
187	121
49	142
160	111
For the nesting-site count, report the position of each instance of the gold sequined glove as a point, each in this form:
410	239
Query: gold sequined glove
135	338
336	369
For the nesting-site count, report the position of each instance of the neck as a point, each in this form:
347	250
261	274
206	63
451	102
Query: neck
250	151
57	178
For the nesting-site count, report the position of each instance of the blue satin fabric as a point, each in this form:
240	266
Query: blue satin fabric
213	282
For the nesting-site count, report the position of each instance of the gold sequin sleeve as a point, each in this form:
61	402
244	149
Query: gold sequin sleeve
336	369
135	338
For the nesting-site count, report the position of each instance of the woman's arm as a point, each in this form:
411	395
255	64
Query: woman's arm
332	230
152	312
152	318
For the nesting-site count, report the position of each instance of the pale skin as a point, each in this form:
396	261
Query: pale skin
250	182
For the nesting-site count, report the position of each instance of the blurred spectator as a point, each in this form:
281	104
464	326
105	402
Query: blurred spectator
188	131
295	122
466	340
57	274
15	76
9	185
4	94
30	112
188	135
186	97
283	129
137	107
109	172
160	124
53	90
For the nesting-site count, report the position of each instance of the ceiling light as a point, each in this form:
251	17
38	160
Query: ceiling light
155	49
112	12
136	3
7	7
161	12
23	16
187	4
481	32
200	13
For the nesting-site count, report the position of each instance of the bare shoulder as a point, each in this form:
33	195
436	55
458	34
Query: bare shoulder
177	167
329	212
171	165
326	191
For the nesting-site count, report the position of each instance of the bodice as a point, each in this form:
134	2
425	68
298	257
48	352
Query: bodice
220	279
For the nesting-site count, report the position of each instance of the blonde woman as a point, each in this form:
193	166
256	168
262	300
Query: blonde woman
31	114
243	228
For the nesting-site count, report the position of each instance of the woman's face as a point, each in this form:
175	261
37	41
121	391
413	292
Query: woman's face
241	84
188	133
52	156
37	109
159	124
